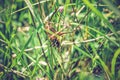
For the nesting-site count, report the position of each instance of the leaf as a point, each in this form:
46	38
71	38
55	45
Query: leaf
114	61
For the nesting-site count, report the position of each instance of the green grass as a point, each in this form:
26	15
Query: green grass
87	32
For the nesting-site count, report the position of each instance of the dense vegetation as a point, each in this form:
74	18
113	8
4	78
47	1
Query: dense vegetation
59	40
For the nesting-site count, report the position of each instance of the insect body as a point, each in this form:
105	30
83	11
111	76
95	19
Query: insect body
52	34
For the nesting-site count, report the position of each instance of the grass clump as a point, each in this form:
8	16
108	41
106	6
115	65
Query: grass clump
59	40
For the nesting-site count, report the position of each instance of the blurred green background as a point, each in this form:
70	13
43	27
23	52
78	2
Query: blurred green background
88	32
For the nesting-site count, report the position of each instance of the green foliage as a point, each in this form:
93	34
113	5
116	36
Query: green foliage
87	32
